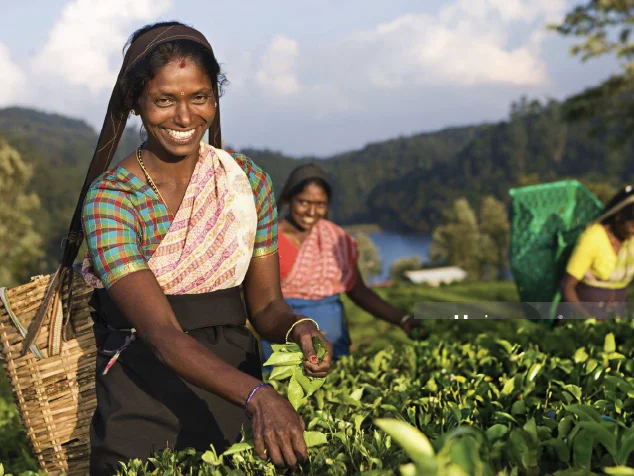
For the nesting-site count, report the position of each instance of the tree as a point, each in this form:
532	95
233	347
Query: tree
514	143
603	191
399	266
480	248
604	27
369	257
496	235
457	242
20	244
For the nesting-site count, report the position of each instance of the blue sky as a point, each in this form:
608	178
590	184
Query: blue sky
308	78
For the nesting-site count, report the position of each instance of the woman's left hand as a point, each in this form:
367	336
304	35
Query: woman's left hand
414	326
302	335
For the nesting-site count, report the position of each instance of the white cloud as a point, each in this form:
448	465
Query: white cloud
466	43
461	55
278	83
13	79
81	45
526	11
277	70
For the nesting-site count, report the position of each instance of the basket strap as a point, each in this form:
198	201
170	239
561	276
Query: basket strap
68	328
4	297
51	307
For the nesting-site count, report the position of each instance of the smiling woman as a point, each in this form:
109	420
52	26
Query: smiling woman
318	262
173	232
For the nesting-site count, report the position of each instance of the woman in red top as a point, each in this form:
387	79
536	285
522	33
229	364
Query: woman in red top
318	262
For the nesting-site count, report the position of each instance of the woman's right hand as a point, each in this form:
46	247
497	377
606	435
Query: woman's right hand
278	430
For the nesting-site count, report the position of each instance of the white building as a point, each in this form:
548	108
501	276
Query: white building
436	276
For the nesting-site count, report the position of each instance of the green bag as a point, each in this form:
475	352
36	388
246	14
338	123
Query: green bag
546	221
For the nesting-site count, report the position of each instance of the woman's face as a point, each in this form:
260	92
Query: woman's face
177	107
309	206
624	229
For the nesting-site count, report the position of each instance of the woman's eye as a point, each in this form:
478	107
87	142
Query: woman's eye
200	99
162	102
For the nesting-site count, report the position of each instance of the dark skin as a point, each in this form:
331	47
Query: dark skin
617	233
170	162
305	210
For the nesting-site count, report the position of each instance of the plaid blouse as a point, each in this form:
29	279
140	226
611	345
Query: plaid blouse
125	222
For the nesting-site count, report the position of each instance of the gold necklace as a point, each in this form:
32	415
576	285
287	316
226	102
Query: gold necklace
149	179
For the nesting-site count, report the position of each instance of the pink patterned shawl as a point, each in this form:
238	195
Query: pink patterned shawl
325	264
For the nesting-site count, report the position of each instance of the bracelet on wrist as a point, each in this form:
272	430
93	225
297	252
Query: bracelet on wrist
405	318
246	406
297	322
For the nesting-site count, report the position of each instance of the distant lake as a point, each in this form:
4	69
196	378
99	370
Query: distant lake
393	246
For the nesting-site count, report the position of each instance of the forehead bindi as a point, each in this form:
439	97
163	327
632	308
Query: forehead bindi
173	79
182	64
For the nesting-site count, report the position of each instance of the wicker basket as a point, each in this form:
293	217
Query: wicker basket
55	394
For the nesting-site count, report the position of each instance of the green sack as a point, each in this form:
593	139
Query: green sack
546	221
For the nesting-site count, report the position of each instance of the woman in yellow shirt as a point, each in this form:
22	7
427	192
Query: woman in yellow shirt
602	263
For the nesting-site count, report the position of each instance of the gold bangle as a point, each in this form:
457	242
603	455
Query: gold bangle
297	322
405	318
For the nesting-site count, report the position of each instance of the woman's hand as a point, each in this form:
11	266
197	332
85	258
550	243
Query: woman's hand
302	335
414	328
272	317
278	430
569	293
372	303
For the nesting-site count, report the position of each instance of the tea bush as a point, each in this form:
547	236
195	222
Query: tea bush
477	398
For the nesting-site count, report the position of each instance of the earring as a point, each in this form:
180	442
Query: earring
133	112
216	104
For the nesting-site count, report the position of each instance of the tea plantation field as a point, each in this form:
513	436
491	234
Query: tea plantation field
478	397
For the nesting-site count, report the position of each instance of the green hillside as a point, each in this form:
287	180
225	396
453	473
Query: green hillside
401	184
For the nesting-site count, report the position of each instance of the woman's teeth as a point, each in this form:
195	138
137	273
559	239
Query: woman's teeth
181	135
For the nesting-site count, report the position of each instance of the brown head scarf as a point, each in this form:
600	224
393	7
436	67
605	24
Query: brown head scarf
299	175
621	200
113	127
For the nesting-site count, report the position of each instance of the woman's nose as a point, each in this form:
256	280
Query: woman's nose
183	115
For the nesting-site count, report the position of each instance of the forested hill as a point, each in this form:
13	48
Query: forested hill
356	174
403	183
59	149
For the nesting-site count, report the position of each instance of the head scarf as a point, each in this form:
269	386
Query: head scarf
624	198
117	116
299	175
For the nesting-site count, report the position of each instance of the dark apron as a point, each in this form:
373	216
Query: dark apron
604	301
143	406
600	303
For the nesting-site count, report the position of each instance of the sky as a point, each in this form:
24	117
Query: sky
308	78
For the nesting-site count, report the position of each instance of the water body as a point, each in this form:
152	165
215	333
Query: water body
393	246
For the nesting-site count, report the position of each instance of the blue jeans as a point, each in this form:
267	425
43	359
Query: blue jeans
329	315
